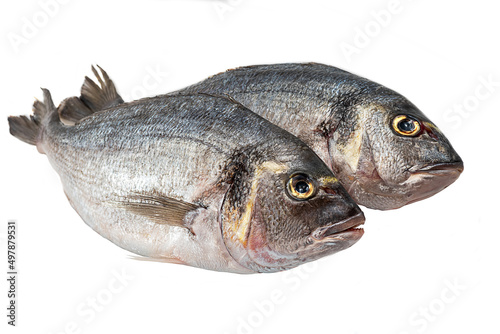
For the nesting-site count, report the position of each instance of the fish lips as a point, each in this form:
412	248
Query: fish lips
348	228
442	168
438	175
444	172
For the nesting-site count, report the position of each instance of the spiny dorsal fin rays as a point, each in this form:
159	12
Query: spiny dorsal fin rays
93	98
100	98
157	208
73	110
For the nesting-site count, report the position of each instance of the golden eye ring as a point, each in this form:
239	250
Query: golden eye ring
406	126
300	187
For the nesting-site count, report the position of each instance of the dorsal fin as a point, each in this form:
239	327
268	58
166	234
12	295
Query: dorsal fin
72	109
93	98
100	98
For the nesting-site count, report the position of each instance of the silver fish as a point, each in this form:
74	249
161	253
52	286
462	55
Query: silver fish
384	150
197	180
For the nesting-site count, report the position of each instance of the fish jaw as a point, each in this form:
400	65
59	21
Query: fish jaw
330	232
334	238
421	183
438	168
323	241
434	178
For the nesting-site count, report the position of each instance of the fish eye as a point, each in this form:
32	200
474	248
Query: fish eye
300	187
406	125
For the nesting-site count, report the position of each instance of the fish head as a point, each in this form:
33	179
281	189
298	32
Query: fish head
295	211
397	156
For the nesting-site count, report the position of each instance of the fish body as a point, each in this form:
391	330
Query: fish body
195	179
383	149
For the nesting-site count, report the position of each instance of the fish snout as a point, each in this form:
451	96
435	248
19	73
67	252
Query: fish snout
442	173
344	212
435	177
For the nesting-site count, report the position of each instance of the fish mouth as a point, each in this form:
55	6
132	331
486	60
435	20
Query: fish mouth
441	168
434	178
347	228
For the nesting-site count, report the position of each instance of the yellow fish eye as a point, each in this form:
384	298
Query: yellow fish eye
300	187
406	126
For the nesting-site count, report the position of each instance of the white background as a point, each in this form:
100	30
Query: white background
395	280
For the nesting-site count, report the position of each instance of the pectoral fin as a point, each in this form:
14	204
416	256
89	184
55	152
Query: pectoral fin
159	209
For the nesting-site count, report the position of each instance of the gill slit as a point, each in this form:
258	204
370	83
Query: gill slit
221	208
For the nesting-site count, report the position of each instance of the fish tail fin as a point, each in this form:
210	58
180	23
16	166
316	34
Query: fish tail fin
29	129
93	98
